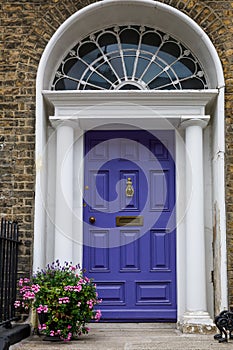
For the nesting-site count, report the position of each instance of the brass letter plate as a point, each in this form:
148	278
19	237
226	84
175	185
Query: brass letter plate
129	220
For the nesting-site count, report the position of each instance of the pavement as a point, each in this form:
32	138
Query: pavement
129	336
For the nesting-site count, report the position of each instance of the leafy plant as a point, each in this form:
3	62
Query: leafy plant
64	296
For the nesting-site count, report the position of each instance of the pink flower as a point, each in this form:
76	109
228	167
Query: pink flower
26	280
68	337
78	288
21	282
98	315
35	288
17	303
29	295
68	288
42	308
90	303
46	308
64	300
42	327
25	289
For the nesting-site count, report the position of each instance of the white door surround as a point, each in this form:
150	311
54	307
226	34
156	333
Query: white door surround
59	156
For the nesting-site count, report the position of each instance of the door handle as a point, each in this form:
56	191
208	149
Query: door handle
92	219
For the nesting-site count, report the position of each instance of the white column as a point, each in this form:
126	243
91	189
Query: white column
64	193
196	305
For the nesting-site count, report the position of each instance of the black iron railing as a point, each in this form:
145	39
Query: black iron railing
9	243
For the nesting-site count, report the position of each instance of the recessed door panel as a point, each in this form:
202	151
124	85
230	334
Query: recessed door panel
159	193
156	292
160	246
129	251
112	293
99	198
99	252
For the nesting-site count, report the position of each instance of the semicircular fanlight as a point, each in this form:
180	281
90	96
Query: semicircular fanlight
129	58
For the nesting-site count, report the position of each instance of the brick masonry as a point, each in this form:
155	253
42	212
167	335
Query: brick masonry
25	29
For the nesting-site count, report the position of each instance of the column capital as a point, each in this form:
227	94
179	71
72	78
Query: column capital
57	122
201	121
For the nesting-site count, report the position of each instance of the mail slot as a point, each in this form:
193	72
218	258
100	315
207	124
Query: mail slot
129	220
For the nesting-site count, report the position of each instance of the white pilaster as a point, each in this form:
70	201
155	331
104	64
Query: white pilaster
78	196
64	193
196	305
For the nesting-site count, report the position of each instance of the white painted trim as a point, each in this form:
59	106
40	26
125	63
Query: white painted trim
96	104
219	219
196	303
145	12
147	97
180	224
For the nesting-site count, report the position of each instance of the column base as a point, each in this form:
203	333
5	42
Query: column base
197	323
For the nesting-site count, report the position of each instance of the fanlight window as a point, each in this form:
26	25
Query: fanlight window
129	58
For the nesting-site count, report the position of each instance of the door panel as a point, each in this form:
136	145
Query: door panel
130	249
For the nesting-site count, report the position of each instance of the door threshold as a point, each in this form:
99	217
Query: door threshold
134	325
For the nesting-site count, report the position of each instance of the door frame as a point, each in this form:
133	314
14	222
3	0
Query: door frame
75	112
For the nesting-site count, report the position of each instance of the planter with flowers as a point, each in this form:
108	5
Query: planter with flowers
63	298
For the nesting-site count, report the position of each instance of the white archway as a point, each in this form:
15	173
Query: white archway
183	28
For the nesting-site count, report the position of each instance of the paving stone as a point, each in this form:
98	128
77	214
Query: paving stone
129	337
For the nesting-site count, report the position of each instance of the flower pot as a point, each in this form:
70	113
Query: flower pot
42	317
55	338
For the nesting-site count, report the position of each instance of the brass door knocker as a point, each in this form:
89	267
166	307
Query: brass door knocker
129	188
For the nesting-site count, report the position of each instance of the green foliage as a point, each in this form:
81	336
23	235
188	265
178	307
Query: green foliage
64	299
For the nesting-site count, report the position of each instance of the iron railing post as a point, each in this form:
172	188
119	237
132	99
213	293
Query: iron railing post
9	245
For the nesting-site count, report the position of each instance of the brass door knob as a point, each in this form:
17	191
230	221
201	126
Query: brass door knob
92	219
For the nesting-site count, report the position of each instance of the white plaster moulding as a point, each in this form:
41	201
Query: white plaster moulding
144	12
125	122
176	97
133	103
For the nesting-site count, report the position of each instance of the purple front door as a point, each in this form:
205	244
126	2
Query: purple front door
129	223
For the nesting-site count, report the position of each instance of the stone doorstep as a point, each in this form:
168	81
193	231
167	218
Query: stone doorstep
10	336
